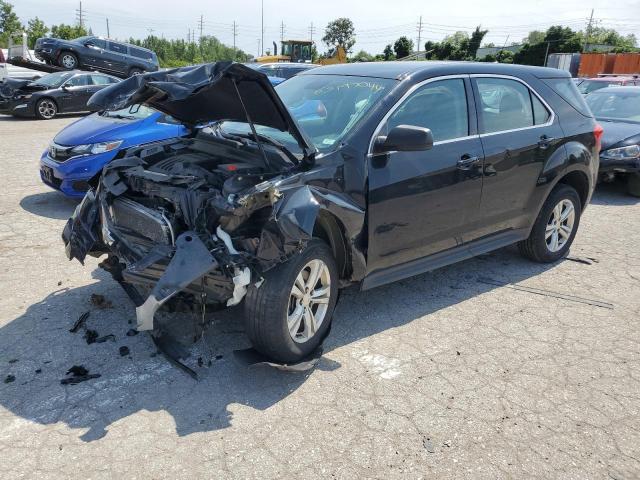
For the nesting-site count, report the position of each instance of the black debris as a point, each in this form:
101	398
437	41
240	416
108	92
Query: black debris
78	374
90	336
99	301
9	378
124	351
59	282
200	362
39	370
79	322
104	338
13	360
457	353
218	357
132	332
585	261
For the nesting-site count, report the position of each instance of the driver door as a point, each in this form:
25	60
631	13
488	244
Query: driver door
421	202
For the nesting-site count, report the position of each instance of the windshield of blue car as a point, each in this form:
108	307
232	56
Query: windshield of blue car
134	112
326	107
54	80
615	104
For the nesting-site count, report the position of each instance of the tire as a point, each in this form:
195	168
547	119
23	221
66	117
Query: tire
267	309
540	246
68	60
633	184
46	109
135	71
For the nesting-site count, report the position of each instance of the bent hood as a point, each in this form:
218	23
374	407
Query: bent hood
206	93
96	128
12	86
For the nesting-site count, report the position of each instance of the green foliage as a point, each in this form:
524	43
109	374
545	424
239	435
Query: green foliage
362	56
388	53
340	32
535	36
475	41
9	23
68	32
403	47
35	30
458	46
559	39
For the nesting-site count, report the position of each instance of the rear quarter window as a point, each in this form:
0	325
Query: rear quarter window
117	47
566	88
140	53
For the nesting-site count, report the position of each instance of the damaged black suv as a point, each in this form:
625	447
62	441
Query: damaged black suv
350	174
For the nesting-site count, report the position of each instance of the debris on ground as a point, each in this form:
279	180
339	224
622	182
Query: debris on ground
79	322
132	332
90	336
173	352
124	351
9	378
104	338
39	370
585	261
428	445
99	301
252	358
13	360
59	282
78	374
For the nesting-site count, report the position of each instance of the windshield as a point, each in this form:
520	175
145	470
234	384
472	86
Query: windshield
134	112
589	86
326	107
616	105
54	79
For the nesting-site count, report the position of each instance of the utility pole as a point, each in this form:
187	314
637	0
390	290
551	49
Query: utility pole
282	31
108	36
587	34
262	30
259	43
546	54
419	47
80	16
188	35
235	34
201	27
311	31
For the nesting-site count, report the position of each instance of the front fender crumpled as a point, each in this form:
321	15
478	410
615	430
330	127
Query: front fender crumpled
80	233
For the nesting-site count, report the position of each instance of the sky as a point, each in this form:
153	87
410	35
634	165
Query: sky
377	23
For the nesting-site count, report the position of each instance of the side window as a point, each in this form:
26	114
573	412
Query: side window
98	43
100	80
440	106
78	81
140	53
118	47
540	113
504	105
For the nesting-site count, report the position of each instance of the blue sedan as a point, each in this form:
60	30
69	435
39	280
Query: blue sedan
78	152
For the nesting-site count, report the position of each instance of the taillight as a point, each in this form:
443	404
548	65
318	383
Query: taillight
597	133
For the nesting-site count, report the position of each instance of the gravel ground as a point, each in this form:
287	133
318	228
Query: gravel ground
439	376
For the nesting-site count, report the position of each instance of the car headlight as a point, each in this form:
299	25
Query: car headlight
623	153
95	148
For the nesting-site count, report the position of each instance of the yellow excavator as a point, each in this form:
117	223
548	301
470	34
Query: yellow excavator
299	51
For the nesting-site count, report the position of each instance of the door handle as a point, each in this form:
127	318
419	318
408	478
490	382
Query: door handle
466	162
545	142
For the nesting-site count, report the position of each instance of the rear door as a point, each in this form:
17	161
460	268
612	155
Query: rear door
421	202
116	60
76	93
519	132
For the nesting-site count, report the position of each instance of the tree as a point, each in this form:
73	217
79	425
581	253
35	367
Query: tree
403	47
362	56
35	30
535	36
67	32
559	39
388	52
340	33
9	22
475	41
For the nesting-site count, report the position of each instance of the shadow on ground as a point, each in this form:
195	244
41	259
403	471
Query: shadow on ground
49	204
142	380
613	193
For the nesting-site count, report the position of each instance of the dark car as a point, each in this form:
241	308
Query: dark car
60	92
390	170
618	108
282	69
96	53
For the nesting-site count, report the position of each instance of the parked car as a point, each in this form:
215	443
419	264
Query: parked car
8	70
284	70
589	85
402	169
52	94
75	157
96	53
618	108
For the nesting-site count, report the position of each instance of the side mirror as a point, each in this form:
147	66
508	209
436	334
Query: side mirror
404	138
64	88
89	44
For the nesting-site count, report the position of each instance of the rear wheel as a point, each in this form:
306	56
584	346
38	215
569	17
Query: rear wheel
135	71
633	184
555	228
68	60
46	109
288	316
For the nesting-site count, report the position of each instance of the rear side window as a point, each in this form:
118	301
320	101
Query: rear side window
118	47
540	113
98	43
140	53
100	80
504	105
566	88
78	81
440	106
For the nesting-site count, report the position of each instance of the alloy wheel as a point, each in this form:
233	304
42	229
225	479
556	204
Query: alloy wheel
560	225
309	301
47	109
68	61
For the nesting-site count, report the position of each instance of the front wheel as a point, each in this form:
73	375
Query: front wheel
555	228
288	316
46	109
68	60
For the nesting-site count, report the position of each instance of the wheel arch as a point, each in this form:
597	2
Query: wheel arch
329	229
579	180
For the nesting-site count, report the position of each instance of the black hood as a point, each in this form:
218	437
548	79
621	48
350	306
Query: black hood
205	93
619	134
